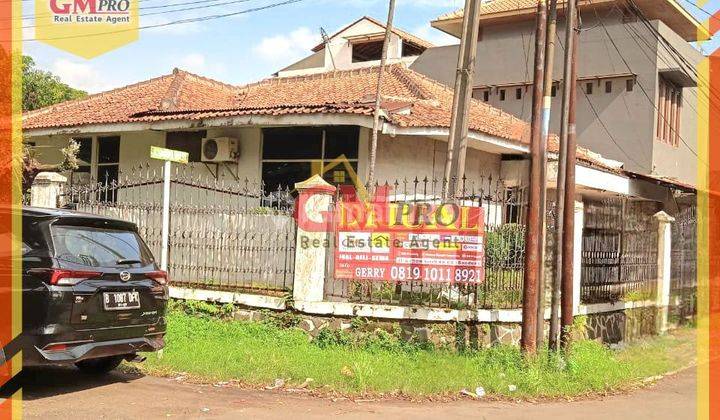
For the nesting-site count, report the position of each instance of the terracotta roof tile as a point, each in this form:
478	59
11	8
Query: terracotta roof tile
177	91
408	99
353	91
493	6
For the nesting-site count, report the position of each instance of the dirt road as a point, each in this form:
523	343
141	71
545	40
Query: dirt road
63	393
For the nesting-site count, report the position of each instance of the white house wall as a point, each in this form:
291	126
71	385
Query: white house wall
408	157
400	157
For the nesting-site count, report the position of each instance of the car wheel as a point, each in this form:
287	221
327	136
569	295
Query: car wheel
100	365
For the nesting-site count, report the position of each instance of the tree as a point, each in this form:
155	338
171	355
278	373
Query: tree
42	88
31	166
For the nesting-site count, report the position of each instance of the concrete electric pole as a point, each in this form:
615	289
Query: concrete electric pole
567	101
457	141
533	221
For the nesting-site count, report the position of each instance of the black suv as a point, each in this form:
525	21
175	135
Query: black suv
92	293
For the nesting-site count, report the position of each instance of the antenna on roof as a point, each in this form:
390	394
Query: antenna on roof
326	41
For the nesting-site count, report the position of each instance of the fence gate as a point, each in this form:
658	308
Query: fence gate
619	251
225	234
683	265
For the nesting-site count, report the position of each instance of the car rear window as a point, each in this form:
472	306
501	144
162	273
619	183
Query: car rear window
99	247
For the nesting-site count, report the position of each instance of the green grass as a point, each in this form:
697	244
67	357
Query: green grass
209	349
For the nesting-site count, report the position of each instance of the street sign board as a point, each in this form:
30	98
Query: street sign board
170	155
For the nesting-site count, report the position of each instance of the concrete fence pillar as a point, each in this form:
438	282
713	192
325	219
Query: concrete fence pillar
664	268
313	237
46	189
577	254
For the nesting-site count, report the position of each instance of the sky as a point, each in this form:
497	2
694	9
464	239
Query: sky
245	48
236	50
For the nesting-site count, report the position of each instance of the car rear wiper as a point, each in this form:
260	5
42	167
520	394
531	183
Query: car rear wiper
124	261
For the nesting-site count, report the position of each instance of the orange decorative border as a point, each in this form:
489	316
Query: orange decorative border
708	270
10	199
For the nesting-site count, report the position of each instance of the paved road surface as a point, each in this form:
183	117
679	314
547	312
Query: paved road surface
63	393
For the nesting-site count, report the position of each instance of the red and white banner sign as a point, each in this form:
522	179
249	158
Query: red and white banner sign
410	242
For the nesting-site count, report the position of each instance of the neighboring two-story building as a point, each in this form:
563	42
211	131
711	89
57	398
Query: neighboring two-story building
356	46
637	95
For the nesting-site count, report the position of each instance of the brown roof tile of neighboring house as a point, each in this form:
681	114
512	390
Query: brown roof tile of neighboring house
408	99
493	6
399	32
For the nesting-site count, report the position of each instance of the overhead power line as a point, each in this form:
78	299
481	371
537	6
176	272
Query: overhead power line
601	122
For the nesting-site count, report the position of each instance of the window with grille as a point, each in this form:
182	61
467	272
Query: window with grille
293	154
669	109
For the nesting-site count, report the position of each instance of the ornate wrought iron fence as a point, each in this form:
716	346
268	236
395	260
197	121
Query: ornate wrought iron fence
683	266
619	252
504	251
225	234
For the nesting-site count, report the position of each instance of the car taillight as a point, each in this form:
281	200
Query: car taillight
71	277
159	276
56	347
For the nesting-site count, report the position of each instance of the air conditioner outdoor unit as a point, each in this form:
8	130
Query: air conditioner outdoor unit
219	149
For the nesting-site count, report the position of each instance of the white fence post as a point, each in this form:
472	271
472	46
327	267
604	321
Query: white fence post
577	254
46	189
311	247
664	267
167	167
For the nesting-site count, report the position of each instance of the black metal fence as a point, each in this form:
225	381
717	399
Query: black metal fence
225	233
619	251
504	251
683	266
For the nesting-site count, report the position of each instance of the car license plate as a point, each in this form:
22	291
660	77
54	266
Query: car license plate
118	301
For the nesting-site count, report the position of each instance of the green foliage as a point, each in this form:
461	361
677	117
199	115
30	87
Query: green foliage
360	362
201	309
31	165
504	245
70	153
369	340
285	319
41	88
331	338
638	295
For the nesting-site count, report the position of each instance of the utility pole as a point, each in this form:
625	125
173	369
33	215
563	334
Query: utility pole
532	233
457	141
547	108
376	113
568	238
561	174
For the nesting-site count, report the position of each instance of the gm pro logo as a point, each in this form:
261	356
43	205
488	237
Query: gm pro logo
86	28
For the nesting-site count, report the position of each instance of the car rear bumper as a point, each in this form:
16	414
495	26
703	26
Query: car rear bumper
77	351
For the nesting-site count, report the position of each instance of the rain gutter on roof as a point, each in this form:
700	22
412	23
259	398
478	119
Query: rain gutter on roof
394	130
215	122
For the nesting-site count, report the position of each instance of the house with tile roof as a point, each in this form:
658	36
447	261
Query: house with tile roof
357	45
280	131
637	87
